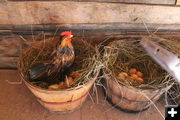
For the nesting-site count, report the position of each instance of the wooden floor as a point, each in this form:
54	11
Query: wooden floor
17	103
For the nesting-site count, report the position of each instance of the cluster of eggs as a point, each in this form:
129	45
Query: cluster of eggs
69	80
132	75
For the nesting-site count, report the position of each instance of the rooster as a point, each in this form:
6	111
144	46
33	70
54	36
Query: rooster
63	59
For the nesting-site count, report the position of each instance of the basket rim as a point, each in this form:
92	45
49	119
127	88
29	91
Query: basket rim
134	88
59	90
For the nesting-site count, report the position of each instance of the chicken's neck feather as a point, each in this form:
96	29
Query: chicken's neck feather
66	42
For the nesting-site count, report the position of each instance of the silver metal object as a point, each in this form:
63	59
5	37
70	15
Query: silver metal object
166	59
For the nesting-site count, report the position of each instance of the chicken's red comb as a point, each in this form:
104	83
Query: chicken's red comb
66	33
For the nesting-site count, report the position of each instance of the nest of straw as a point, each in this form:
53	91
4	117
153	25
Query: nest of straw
174	94
171	45
121	55
40	52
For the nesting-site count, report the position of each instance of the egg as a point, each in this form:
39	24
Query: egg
139	80
69	81
132	71
139	74
134	76
130	78
54	86
122	75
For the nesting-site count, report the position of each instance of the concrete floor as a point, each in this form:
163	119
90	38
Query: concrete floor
17	103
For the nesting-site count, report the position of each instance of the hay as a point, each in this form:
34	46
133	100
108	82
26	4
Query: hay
171	45
121	55
41	52
174	94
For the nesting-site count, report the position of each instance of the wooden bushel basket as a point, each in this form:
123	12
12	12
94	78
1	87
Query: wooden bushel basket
62	100
130	99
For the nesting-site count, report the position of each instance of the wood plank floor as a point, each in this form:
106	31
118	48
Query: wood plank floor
17	103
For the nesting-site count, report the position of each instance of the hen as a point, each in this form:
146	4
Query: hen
63	58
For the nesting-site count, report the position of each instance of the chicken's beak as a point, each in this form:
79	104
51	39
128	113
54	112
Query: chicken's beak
71	36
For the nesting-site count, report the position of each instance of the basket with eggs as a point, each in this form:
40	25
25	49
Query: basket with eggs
132	79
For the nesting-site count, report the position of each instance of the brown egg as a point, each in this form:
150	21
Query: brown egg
122	75
74	74
130	78
132	71
139	74
139	80
69	81
134	76
54	86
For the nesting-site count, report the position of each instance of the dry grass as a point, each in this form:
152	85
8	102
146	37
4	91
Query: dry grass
121	55
169	44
